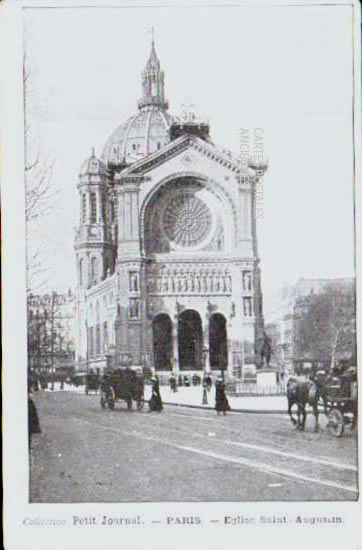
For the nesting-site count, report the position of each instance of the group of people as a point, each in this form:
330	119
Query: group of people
221	401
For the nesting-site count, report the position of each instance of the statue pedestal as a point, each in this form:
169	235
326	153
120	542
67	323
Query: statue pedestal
267	378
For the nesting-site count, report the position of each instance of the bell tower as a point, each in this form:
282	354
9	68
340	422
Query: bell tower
153	84
93	242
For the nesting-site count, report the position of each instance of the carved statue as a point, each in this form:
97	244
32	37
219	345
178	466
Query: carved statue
192	282
217	283
266	349
247	280
198	283
184	283
228	279
247	307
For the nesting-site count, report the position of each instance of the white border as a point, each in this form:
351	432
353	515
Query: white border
14	344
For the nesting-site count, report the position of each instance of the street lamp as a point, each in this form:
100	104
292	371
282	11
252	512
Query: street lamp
205	351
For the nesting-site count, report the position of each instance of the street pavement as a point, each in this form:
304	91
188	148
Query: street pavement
86	454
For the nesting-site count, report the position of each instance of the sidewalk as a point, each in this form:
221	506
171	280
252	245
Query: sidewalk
193	397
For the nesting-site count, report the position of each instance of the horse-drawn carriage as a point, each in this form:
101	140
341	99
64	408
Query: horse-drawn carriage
341	396
337	394
122	384
92	383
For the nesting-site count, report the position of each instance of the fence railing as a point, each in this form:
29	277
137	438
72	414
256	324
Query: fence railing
237	389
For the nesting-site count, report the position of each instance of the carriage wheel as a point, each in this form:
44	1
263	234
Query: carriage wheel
336	422
140	403
129	403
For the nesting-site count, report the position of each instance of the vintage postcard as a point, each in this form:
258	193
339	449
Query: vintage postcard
181	252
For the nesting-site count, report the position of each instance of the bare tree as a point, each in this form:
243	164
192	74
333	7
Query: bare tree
325	327
39	193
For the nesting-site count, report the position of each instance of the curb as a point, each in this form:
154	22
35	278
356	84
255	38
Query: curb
248	411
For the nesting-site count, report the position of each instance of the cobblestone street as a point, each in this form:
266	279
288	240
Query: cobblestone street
86	454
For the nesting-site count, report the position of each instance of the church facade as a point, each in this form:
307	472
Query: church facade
166	248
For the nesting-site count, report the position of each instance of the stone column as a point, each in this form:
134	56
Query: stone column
206	344
175	356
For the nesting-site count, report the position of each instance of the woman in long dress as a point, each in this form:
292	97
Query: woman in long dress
221	401
155	403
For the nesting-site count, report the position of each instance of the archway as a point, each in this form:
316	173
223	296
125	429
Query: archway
190	340
162	341
218	342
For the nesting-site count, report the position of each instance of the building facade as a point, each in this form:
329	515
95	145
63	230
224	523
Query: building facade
51	321
166	248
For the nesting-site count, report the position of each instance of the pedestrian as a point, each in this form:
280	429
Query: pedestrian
33	420
221	401
173	383
155	403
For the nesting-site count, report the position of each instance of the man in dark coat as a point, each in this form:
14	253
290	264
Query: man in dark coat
221	401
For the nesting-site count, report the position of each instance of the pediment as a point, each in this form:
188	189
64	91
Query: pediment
188	150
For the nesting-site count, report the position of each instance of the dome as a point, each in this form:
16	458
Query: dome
141	135
92	166
149	129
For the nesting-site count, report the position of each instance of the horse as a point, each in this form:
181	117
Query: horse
302	393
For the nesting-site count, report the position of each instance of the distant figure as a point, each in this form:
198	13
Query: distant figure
196	380
221	401
33	420
155	403
173	385
208	382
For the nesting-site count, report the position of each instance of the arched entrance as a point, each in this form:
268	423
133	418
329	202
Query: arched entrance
190	340
162	341
218	342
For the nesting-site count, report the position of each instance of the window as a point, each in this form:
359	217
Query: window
134	308
94	271
91	342
133	281
93	206
84	208
104	208
81	271
105	336
98	339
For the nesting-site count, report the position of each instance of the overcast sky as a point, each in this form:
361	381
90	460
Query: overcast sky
285	70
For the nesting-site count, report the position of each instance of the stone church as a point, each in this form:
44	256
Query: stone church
166	249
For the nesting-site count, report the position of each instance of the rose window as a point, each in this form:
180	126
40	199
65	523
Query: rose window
186	220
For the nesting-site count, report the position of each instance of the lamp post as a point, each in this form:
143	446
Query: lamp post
205	351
